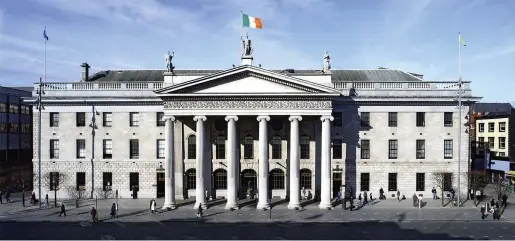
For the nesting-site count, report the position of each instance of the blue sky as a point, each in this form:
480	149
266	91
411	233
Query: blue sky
412	35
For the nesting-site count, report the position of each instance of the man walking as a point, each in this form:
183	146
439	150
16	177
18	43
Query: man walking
93	214
434	193
1	201
63	210
398	195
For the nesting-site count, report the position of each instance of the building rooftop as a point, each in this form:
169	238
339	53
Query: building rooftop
493	108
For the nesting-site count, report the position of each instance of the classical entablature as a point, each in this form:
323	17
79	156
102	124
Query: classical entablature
248	90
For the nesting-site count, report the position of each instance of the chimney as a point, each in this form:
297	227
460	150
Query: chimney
85	72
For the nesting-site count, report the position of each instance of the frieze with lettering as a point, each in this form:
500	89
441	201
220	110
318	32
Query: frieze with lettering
246	104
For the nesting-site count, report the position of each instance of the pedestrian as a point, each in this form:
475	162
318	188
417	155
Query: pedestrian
359	199
371	199
199	211
46	199
8	196
63	210
398	195
152	206
338	197
351	192
452	193
415	200
351	203
504	200
483	210
1	201
365	198
496	214
93	214
471	192
434	193
381	193
497	205
113	210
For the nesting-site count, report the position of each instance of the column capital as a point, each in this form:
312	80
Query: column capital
326	118
233	117
168	117
263	117
200	118
295	117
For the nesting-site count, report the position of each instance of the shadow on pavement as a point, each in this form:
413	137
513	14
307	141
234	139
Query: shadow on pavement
199	229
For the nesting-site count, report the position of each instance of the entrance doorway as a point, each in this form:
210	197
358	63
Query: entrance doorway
160	180
248	179
337	183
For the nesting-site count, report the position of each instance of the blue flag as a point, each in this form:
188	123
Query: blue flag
44	35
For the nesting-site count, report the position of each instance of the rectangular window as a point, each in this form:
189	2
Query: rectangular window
13	108
365	149
481	143
421	149
304	147
502	142
491	127
54	181
3	107
107	181
421	119
447	182
447	119
502	154
134	151
54	119
337	149
80	119
276	147
81	148
192	147
491	142
134	180
54	149
392	149
81	180
365	119
392	119
365	182
481	127
160	121
447	153
502	126
421	182
392	182
107	119
248	147
220	147
134	119
160	149
108	149
338	120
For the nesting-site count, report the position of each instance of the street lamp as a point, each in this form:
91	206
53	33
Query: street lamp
39	105
93	126
460	107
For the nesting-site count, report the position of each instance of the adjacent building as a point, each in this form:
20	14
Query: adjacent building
15	135
219	133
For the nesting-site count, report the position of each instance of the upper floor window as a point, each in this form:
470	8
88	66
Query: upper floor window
447	119
502	126
421	119
481	127
134	119
481	143
276	147
502	142
220	147
108	149
421	149
365	149
81	148
3	107
447	153
491	127
192	144
134	149
160	121
81	118
54	119
107	119
392	119
54	149
338	120
248	147
304	147
337	149
160	149
392	149
13	108
365	119
491	142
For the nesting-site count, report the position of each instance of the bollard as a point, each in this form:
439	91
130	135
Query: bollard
77	203
420	203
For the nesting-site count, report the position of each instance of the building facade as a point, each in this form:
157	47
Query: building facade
218	133
15	136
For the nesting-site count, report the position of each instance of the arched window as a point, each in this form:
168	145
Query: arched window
220	147
276	179
276	147
248	179
248	147
304	147
191	178
192	147
305	178
220	176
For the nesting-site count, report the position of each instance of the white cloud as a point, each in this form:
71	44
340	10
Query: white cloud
495	53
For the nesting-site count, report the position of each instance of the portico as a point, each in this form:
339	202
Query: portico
257	94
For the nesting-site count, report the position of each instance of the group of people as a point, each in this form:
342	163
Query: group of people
7	196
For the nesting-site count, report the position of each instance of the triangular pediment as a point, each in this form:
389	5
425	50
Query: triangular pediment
247	80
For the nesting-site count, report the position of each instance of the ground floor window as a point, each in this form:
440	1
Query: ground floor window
365	182
305	178
191	178
107	180
447	182
220	179
421	182
276	179
392	182
134	181
81	181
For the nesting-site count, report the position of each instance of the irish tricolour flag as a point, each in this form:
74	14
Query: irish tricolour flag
251	22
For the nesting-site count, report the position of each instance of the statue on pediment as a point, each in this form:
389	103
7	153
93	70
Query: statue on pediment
327	63
246	46
168	61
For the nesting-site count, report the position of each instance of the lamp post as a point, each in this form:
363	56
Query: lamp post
93	126
39	105
460	107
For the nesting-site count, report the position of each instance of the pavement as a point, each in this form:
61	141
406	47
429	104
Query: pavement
384	219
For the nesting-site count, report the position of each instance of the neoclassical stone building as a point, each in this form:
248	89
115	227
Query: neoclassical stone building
217	133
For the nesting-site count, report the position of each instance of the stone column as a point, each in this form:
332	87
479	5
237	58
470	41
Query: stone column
200	192
232	159
325	193
294	162
263	163
169	164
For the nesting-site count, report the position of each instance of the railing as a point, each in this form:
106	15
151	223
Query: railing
102	86
422	85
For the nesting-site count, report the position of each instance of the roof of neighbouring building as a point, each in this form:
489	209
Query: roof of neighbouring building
493	108
381	75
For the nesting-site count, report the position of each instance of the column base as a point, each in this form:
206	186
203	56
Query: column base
169	206
262	206
293	205
231	206
325	206
204	206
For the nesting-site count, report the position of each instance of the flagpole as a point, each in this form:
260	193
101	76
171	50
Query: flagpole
459	118
45	56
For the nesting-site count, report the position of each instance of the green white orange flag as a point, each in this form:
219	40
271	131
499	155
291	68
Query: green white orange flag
251	22
462	42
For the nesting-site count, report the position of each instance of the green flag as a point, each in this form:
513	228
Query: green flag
462	42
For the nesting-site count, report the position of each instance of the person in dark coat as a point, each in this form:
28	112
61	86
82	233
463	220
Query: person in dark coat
398	195
8	196
359	199
483	210
351	203
113	211
93	214
381	193
46	200
504	200
365	198
433	191
1	201
63	210
199	210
